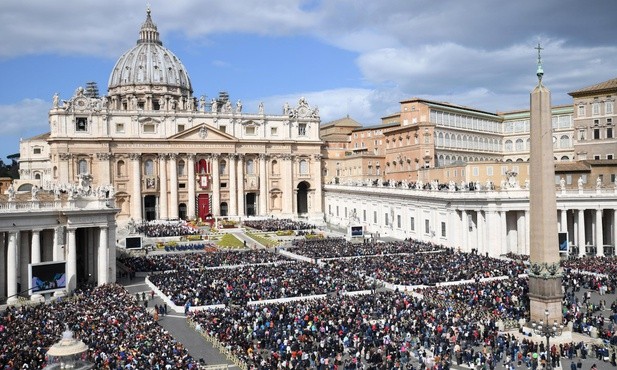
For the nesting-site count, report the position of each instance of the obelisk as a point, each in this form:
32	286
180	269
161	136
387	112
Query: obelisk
544	272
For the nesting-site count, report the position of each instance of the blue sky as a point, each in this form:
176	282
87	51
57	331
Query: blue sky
348	57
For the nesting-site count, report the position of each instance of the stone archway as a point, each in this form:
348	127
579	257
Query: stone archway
302	204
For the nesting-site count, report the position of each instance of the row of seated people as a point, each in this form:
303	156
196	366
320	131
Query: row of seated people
276	224
119	332
157	228
339	247
199	260
187	247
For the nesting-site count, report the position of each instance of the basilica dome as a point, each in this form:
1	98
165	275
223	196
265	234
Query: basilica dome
149	68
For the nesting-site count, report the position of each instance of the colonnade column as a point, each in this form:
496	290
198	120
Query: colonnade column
233	189
111	255
288	191
263	191
11	268
163	210
615	231
527	233
240	177
71	261
599	233
481	229
35	257
503	232
136	193
581	231
102	258
173	186
216	185
191	186
563	221
317	201
465	231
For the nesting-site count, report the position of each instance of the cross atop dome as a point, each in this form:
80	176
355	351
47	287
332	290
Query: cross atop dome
149	32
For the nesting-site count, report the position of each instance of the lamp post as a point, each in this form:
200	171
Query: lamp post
546	330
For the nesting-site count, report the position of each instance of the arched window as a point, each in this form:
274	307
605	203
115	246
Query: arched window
55	172
564	141
508	147
82	167
250	167
520	145
222	167
181	167
447	139
275	167
439	139
37	176
565	158
149	167
304	167
120	168
202	166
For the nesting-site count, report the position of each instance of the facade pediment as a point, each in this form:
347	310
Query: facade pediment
203	132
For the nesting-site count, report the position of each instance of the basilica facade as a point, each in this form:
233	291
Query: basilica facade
170	155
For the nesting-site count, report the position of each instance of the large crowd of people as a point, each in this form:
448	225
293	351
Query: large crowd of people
157	229
119	333
278	224
200	260
340	247
239	285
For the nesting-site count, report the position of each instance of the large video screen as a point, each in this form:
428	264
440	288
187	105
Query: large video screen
133	242
357	231
563	242
47	276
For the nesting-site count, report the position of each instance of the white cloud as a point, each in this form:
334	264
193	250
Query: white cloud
24	118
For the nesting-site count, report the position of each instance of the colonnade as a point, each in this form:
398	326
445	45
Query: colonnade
19	248
497	232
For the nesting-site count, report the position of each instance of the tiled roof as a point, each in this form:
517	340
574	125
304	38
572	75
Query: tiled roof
602	86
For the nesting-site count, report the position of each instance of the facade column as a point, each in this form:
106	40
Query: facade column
56	252
104	168
63	175
216	185
11	269
233	189
163	203
102	258
615	232
465	231
240	177
581	232
263	191
191	186
111	255
317	206
288	191
599	234
3	247
173	186
71	261
136	193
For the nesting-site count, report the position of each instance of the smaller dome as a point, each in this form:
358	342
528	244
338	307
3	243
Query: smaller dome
149	63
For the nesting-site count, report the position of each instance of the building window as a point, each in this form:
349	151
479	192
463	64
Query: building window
181	167
412	223
275	167
120	168
427	227
302	129
81	124
613	177
364	215
222	167
443	229
581	111
608	107
609	132
250	167
36	151
180	128
119	128
489	171
398	221
595	108
374	217
82	167
336	211
250	130
596	133
609	156
475	171
596	157
273	131
569	179
386	219
149	167
148	128
304	167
